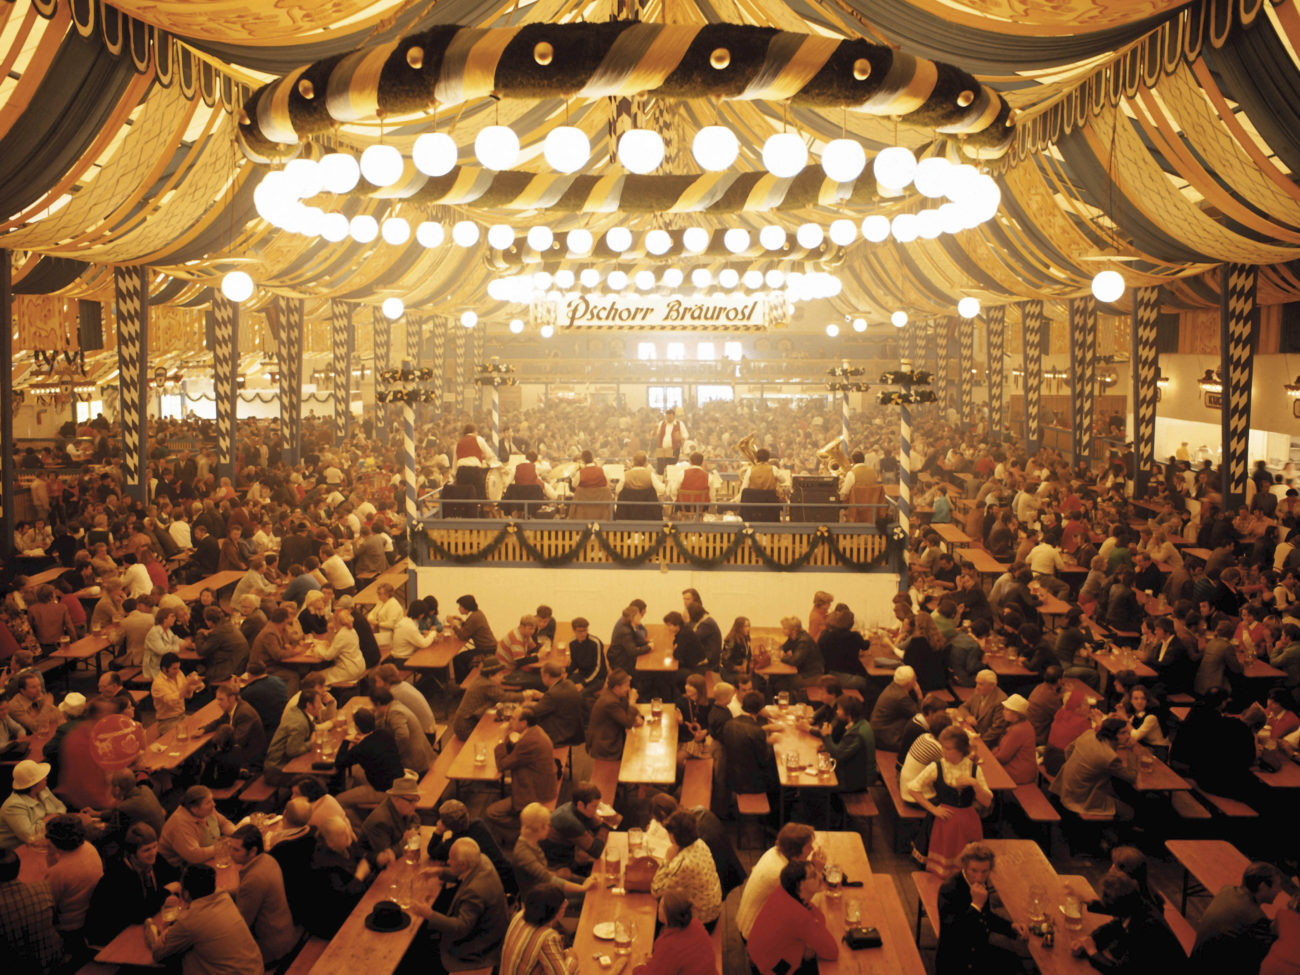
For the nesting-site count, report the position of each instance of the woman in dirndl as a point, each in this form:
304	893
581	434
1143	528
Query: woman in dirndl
950	790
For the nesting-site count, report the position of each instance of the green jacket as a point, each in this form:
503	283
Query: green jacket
292	738
855	757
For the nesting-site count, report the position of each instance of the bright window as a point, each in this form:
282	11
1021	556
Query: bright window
706	352
171	406
676	351
715	394
646	350
664	397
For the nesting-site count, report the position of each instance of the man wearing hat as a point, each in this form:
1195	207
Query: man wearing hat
1015	752
485	690
24	813
384	831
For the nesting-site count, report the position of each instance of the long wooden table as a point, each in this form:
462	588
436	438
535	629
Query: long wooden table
436	656
332	736
951	534
487	733
1021	864
602	904
880	907
1159	777
804	746
169	751
647	762
45	576
994	774
356	949
982	561
1214	864
89	647
216	582
1287	777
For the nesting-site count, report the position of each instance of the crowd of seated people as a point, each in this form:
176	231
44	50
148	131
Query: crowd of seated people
307	538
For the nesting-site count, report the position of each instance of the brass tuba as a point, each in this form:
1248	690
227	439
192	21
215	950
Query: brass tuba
834	459
745	447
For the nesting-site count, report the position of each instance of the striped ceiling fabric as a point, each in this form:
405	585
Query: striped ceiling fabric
1154	137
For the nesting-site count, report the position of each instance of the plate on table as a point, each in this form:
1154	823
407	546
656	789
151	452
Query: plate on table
604	931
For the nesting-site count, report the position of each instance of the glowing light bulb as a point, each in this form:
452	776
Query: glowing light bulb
237	286
393	308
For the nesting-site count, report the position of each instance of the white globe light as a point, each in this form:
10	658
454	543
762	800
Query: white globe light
393	308
334	227
430	234
540	238
968	307
396	230
752	279
618	239
784	155
728	278
640	150
774	278
1108	286
547	331
304	176
952	218
859	324
875	228
961	182
310	221
542	280
564	278
589	277
579	241
381	165
499	289
695	239
469	318
616	280
986	194
516	326
898	319
832	330
904	228
809	235
932	176
465	233
701	277
715	148
645	280
435	153
894	167
658	242
843	160
566	149
273	196
843	232
501	236
339	172
672	278
928	224
364	228
772	237
497	147
736	240
237	286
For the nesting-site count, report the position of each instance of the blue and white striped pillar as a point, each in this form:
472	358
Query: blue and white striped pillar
905	469
408	458
496	418
459	375
1238	333
382	338
844	417
1146	371
225	369
995	321
341	347
440	326
131	286
1032	340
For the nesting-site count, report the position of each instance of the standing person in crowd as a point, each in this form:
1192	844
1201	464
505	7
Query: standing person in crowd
949	790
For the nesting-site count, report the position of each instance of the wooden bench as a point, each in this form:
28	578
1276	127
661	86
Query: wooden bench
1183	931
259	790
1226	806
434	782
927	901
1186	807
604	776
887	762
1035	805
307	956
751	805
859	806
697	783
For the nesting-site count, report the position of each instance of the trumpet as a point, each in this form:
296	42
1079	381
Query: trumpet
834	459
745	447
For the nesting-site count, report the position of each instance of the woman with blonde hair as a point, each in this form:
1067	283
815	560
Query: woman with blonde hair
817	615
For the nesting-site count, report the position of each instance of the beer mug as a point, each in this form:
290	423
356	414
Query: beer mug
825	763
480	754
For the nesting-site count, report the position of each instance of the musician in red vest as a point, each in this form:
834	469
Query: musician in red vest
696	479
473	458
668	439
526	474
590	474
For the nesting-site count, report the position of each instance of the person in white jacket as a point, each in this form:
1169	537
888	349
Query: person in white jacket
385	615
344	648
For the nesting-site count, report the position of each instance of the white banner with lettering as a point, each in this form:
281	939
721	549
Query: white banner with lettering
723	312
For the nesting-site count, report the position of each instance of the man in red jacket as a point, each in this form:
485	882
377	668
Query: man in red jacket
790	933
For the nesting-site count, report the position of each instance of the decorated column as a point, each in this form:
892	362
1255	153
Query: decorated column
6	398
1146	371
905	469
341	349
288	353
845	379
461	374
911	382
381	340
995	324
131	286
440	326
1083	375
411	364
844	418
966	366
943	379
478	347
1032	340
1238	325
225	375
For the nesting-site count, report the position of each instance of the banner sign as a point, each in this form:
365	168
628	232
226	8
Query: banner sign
727	312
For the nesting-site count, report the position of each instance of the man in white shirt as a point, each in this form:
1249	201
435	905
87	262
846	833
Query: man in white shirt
1045	561
135	580
793	842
